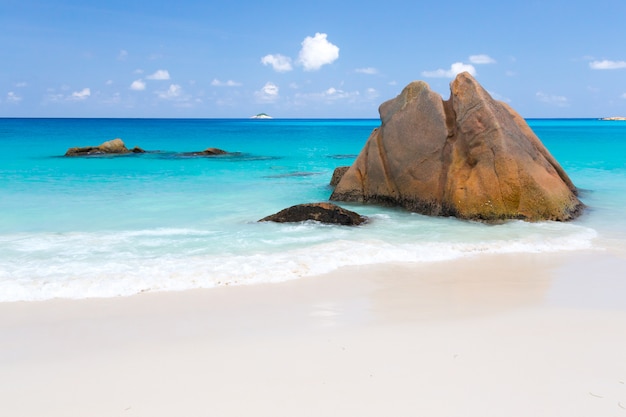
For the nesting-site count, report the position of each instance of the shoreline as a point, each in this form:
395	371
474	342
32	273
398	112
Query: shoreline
515	335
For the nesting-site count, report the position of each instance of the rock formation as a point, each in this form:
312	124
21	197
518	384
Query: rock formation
470	156
321	212
207	152
338	173
115	147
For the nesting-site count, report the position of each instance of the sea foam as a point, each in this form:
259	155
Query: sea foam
85	265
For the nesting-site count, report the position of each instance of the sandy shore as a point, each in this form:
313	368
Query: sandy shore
514	335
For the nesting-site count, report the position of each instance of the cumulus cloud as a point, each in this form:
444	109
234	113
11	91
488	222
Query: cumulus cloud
481	59
160	75
607	65
13	98
268	93
174	91
229	83
368	71
279	62
316	52
138	85
81	95
455	69
559	101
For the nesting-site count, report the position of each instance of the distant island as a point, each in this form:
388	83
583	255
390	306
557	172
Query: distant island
262	116
613	118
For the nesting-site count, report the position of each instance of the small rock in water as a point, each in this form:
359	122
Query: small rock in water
322	212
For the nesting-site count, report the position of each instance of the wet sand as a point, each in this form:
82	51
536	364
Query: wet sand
495	335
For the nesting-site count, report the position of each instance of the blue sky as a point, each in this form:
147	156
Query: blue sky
82	58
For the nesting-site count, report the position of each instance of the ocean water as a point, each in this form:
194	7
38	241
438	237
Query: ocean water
115	226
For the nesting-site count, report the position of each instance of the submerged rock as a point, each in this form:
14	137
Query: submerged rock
322	212
208	152
113	147
470	157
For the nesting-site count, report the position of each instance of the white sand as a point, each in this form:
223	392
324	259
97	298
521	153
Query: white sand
515	335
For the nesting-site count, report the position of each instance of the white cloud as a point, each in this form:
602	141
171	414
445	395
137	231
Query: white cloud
279	62
138	85
122	55
559	101
372	93
81	95
481	59
13	98
268	93
455	69
607	65
331	94
317	51
368	71
21	84
174	91
229	83
624	95
160	75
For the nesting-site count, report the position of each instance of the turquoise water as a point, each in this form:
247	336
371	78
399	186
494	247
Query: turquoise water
109	226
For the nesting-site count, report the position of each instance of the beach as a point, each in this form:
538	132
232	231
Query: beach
492	335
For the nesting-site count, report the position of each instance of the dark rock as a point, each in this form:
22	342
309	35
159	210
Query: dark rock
338	173
321	212
115	146
207	152
470	156
213	151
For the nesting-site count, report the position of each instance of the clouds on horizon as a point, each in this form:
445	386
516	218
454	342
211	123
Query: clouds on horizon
555	100
459	67
81	95
13	98
268	93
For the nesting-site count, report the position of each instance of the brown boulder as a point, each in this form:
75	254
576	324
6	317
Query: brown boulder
337	175
471	157
321	212
115	146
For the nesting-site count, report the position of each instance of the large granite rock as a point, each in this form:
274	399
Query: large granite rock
321	212
115	147
470	156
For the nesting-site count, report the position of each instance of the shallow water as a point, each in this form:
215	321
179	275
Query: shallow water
108	226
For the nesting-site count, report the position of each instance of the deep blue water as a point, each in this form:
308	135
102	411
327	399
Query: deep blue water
107	226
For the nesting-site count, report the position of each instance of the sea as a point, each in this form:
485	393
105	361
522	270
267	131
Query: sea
166	220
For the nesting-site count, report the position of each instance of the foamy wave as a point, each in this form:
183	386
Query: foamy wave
83	265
